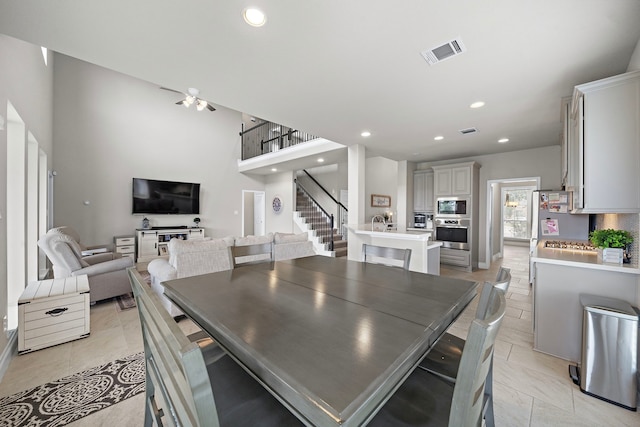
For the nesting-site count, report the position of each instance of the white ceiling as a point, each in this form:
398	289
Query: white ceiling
335	68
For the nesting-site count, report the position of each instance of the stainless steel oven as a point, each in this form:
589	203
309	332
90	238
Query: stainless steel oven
453	207
453	232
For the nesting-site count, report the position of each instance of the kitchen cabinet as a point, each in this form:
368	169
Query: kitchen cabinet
455	180
557	311
604	146
423	200
565	136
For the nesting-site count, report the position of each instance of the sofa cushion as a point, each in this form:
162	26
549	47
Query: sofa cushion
179	247
290	237
253	240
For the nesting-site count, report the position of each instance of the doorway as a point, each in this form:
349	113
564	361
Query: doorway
253	213
496	200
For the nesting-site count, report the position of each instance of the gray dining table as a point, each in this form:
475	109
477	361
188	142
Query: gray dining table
332	339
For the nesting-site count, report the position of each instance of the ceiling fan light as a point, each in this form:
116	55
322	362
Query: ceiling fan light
189	100
201	104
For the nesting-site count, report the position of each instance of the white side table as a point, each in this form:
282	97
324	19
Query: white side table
52	312
126	245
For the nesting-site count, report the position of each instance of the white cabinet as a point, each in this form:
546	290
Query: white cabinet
557	310
125	245
604	148
455	180
152	243
565	136
423	191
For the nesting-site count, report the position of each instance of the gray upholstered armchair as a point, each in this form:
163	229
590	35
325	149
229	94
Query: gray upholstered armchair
106	272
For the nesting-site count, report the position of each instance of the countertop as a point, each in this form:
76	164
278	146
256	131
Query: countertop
577	258
395	234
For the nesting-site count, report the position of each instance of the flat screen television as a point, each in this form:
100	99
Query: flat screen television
152	196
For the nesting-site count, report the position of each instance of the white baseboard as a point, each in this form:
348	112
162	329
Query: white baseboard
9	352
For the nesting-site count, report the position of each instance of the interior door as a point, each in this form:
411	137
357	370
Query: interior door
258	213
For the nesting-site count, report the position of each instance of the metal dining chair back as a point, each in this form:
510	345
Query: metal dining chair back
196	383
444	358
251	254
425	399
372	253
178	390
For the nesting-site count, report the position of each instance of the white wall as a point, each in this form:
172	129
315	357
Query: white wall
381	177
110	127
280	185
634	63
27	83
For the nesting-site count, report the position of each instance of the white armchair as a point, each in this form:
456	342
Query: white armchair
107	273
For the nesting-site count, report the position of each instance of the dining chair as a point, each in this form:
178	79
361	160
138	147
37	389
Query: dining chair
193	382
444	357
372	253
251	254
425	399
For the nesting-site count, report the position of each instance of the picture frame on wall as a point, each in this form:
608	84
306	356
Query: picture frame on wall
380	201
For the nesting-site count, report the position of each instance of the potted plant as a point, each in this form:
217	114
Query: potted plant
611	244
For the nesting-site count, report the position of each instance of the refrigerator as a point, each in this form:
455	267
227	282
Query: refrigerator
551	220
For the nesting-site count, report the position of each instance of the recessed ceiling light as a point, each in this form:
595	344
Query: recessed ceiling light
477	104
365	134
254	17
320	160
274	170
439	138
503	140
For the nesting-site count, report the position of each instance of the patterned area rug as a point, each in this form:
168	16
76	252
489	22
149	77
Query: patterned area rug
68	399
126	302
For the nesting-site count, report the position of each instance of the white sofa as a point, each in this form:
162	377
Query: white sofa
194	257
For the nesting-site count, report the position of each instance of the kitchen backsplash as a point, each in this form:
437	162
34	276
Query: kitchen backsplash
627	222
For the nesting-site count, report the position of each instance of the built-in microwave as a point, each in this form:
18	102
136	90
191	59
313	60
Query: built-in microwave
453	207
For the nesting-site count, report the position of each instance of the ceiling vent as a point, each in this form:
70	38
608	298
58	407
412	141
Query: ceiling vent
440	53
467	131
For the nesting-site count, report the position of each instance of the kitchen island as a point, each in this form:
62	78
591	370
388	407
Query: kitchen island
425	253
559	277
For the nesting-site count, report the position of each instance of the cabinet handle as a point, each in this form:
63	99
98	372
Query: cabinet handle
56	311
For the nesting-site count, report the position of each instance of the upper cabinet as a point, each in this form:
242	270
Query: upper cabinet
604	146
454	180
423	200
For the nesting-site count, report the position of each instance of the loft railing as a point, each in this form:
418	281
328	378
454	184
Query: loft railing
268	137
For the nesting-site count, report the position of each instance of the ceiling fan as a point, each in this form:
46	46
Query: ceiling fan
192	98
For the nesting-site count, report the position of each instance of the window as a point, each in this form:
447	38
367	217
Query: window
516	212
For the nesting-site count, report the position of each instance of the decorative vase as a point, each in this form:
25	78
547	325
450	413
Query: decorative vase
145	223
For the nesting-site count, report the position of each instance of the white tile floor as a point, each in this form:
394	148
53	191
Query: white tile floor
530	388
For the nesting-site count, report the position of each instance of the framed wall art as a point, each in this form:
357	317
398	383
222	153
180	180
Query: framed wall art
380	201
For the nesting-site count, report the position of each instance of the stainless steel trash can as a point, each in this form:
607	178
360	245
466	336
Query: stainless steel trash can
609	350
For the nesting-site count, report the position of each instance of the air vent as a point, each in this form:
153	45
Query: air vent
468	131
440	53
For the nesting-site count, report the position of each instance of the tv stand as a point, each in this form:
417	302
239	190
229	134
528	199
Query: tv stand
153	243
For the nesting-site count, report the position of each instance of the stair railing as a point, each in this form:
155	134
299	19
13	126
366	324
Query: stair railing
341	210
318	216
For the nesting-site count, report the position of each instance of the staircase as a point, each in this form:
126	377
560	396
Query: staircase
309	218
